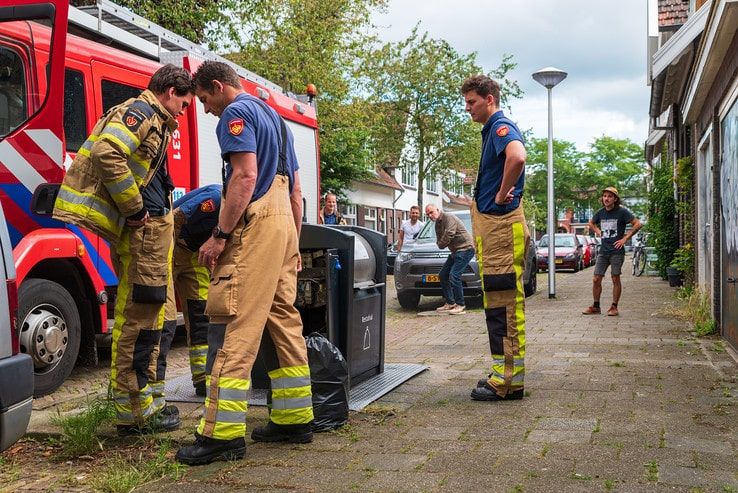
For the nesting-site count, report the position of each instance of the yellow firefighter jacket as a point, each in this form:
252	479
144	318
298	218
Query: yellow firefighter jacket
103	185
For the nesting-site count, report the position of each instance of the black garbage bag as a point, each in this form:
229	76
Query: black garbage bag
329	376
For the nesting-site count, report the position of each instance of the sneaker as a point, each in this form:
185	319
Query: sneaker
200	390
273	432
458	310
613	311
446	307
592	310
487	393
206	450
165	420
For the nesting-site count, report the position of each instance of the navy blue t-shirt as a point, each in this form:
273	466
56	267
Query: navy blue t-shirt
244	126
612	224
201	208
497	133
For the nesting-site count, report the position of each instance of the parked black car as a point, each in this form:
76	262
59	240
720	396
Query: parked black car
418	264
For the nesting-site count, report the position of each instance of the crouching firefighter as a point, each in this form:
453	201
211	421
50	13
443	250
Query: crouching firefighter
195	216
118	187
254	257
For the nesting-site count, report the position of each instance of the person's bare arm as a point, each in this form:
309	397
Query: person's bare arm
402	239
240	189
514	165
636	225
593	227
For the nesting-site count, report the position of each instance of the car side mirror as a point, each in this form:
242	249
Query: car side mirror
42	201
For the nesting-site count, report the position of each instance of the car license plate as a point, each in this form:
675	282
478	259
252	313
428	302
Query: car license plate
559	261
429	278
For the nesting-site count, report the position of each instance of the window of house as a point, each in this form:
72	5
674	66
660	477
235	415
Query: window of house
75	110
349	214
431	184
370	218
409	175
114	93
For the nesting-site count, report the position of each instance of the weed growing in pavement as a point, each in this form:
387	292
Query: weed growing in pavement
9	470
597	426
718	347
618	364
545	449
729	489
652	470
662	438
609	485
79	432
694	307
123	474
347	431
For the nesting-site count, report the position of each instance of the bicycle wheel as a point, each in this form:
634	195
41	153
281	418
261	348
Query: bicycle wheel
639	263
635	261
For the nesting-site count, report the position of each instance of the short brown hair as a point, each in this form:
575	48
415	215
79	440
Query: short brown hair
172	76
482	85
415	207
212	70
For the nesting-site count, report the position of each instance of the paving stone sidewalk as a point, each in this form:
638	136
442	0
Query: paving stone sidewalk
628	403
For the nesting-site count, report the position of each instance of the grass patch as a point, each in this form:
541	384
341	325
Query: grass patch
652	471
609	485
79	432
695	308
347	431
618	364
9	470
123	474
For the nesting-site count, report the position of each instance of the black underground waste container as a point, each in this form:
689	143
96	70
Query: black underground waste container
341	294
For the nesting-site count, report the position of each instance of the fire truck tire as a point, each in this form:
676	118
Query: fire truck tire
49	331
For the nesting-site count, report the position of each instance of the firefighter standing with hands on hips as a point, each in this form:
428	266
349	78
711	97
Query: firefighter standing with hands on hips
119	187
255	258
195	216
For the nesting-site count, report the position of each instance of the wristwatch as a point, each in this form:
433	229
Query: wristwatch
219	233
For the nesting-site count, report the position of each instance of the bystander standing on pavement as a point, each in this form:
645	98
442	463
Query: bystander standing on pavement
329	213
410	228
119	187
451	233
254	257
609	223
501	236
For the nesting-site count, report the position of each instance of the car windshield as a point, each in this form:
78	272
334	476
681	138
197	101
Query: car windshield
561	241
428	233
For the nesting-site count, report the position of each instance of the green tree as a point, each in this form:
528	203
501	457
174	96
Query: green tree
422	77
619	163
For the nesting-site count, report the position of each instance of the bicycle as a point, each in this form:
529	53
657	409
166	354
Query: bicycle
639	256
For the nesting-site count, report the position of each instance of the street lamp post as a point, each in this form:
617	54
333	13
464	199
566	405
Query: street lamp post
549	77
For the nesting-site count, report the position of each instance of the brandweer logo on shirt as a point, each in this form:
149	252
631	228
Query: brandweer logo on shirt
235	126
502	131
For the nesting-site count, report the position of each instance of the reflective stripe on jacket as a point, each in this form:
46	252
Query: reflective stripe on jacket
103	185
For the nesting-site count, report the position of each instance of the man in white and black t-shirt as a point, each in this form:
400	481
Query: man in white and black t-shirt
609	223
410	228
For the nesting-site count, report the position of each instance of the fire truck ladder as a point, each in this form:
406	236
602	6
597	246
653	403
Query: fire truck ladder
116	23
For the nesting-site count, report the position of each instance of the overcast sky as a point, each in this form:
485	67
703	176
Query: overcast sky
601	44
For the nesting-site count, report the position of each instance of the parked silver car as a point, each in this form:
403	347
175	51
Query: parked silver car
418	264
16	368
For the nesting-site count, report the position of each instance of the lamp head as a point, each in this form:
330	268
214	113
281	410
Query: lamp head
549	77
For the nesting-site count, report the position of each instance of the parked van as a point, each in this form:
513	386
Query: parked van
16	369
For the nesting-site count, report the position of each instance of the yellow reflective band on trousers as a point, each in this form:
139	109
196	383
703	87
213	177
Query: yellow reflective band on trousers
228	416
202	274
198	358
292	401
501	243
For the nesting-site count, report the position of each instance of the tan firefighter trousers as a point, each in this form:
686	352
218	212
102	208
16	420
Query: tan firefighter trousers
253	287
141	262
501	244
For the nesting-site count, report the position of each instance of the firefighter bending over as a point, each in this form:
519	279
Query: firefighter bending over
119	187
255	258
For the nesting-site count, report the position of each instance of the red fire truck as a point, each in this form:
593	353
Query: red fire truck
61	67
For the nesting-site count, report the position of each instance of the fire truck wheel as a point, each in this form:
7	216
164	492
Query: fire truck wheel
49	331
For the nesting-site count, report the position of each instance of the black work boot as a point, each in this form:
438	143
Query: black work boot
206	450
273	432
487	393
200	390
482	381
165	420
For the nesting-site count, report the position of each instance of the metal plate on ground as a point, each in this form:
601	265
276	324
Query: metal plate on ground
180	388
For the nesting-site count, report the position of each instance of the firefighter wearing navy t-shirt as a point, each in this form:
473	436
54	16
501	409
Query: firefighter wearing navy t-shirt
255	258
501	237
195	216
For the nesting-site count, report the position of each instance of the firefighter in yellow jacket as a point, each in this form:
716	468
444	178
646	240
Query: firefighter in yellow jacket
118	187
